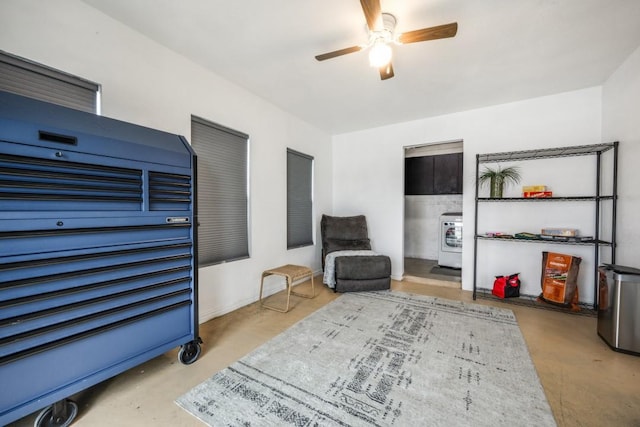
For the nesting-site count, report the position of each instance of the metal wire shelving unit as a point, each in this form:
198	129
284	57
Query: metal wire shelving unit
597	198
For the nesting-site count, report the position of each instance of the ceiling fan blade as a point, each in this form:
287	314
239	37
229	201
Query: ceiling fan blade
386	72
431	33
340	52
372	12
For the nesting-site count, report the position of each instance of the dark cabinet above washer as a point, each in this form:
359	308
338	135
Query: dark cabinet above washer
432	175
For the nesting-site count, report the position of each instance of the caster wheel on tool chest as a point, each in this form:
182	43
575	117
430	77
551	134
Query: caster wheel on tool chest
60	414
189	352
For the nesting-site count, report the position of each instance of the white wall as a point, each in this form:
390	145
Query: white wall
422	223
373	185
145	83
620	106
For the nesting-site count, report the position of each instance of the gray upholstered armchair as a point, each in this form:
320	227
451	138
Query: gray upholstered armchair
347	259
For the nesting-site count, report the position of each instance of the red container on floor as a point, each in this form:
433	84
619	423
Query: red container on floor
506	286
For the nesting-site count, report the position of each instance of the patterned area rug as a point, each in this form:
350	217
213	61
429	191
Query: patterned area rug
382	359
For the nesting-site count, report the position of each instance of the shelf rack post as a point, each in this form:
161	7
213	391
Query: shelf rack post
596	232
475	230
614	208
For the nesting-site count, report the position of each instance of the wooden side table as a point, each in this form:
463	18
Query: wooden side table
292	273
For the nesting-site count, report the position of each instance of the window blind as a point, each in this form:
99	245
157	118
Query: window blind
222	192
299	199
27	78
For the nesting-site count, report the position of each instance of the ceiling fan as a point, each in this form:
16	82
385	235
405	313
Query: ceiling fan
381	27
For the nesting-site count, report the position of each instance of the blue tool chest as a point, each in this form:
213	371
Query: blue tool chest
98	261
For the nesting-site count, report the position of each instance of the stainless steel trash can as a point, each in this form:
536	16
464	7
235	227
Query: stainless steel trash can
619	307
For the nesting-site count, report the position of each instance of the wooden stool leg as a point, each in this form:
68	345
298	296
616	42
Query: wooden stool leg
289	286
270	307
313	289
261	286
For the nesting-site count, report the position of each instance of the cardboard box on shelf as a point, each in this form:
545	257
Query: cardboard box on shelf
558	231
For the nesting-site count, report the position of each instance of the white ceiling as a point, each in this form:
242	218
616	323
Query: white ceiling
505	50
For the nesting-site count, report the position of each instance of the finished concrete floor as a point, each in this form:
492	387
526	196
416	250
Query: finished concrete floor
427	271
586	383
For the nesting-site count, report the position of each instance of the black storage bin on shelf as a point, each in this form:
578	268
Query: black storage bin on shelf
98	265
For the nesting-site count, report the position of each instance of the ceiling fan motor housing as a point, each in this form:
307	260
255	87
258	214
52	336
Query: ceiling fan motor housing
386	33
389	22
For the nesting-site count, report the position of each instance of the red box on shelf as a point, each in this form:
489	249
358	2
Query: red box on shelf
537	194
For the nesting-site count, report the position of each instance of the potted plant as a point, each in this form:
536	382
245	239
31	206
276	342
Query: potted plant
497	178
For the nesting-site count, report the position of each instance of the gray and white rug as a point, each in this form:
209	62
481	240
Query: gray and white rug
382	359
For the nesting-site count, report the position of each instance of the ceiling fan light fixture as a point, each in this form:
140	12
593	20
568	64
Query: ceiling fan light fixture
381	29
380	54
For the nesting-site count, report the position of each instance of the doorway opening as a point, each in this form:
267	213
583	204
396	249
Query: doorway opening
433	214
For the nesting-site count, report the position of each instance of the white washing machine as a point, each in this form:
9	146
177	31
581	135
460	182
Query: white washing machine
450	249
